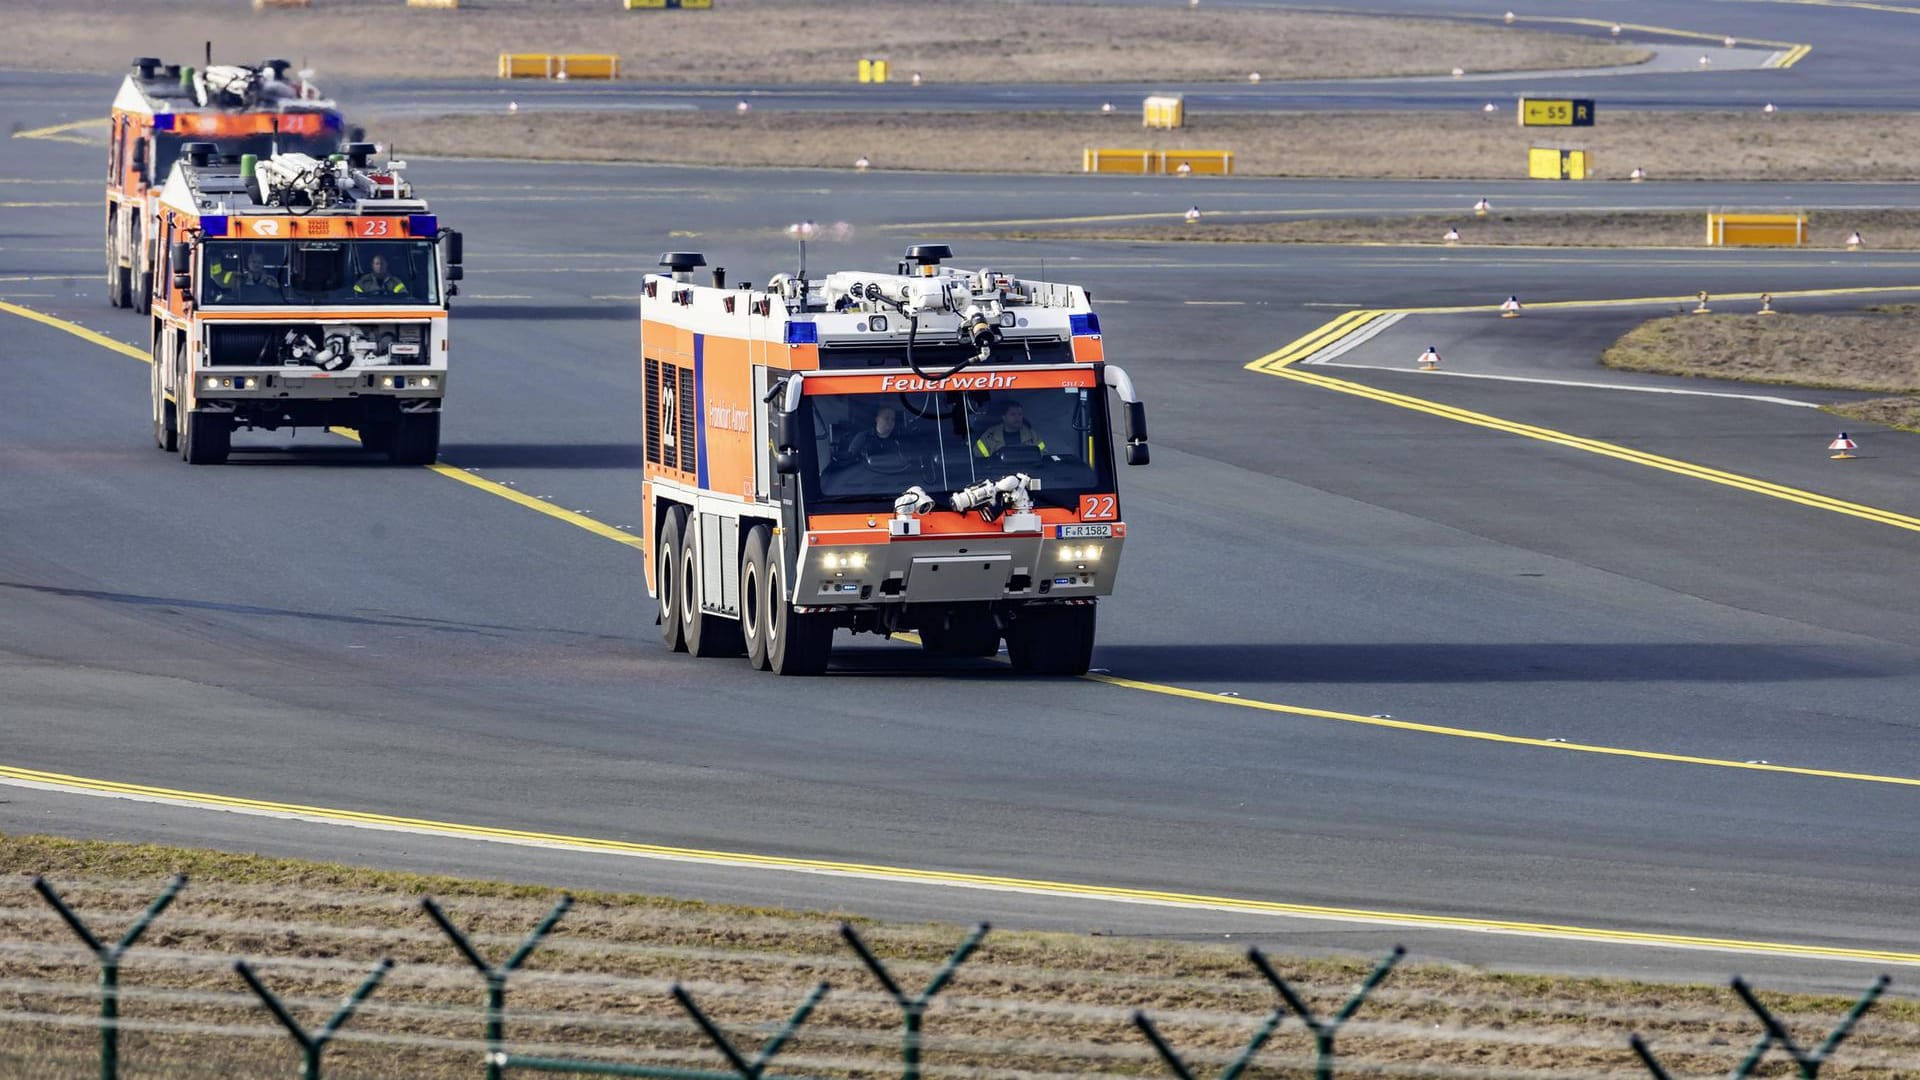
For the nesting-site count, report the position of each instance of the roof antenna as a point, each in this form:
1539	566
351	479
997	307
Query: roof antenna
274	147
209	62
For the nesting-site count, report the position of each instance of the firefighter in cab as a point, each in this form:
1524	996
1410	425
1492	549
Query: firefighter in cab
378	281
1012	430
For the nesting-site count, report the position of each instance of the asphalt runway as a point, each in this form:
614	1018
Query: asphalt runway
1607	662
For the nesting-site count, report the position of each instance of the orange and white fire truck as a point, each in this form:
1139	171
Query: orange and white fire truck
160	108
924	450
299	292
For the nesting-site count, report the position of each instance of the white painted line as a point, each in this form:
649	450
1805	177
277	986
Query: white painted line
1764	398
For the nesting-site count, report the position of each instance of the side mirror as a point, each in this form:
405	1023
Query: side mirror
786	439
456	247
183	284
456	272
1137	453
356	134
180	256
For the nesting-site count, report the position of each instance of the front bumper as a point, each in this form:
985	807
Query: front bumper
942	570
305	384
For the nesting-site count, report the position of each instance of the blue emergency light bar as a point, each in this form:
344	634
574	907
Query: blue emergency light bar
214	225
423	225
163	121
803	333
1084	325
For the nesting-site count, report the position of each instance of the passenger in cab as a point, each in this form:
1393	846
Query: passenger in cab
1012	430
882	438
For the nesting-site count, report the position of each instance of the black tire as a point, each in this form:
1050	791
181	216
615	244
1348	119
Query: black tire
666	578
706	634
968	630
754	598
1052	640
796	644
416	439
377	435
205	438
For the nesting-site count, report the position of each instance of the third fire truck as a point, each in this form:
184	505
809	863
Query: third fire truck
924	450
299	292
162	107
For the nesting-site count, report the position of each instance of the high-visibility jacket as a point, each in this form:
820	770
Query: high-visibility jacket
368	284
994	439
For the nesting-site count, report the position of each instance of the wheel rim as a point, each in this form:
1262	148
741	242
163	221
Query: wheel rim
777	605
687	592
669	585
749	603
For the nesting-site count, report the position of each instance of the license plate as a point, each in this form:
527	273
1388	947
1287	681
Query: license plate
1084	532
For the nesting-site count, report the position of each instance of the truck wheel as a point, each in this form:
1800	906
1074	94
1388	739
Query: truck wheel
166	431
797	644
1052	640
205	438
416	439
116	274
962	631
707	635
754	599
666	578
377	435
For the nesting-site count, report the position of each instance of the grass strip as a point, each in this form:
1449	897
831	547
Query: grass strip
1026	1003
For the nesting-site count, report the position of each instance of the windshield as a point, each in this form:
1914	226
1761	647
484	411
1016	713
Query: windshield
313	272
869	447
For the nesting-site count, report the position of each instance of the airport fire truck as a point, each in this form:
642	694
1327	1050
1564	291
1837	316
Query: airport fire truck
299	292
924	450
160	108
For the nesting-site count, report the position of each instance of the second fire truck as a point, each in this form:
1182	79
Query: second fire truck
926	450
299	292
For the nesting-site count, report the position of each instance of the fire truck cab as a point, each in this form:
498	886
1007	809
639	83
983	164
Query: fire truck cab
923	450
299	292
159	109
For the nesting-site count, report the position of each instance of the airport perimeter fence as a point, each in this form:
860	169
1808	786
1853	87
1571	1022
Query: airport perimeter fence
247	981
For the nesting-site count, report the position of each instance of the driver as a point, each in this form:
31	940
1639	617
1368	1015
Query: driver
230	275
1012	430
378	282
882	438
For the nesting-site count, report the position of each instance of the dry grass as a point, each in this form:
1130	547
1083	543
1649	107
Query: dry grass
1877	349
1669	145
788	41
1027	1004
1890	229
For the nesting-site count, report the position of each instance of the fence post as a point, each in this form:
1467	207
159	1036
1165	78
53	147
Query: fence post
312	1046
1232	1071
1324	1031
109	959
496	976
913	1009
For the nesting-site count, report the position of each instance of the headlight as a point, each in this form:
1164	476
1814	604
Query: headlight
853	560
211	382
1084	553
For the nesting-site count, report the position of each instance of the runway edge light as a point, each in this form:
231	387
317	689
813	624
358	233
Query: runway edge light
1844	445
1510	309
1430	360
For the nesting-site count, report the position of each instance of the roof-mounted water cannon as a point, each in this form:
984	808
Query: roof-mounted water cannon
298	181
681	264
1009	496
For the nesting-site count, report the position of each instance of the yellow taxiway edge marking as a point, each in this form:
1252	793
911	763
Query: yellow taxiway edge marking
1493	736
63	132
1277	364
76	330
917	875
1668	31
